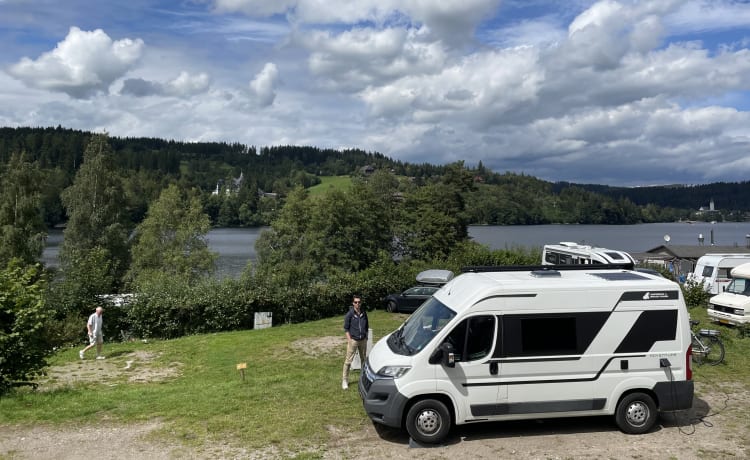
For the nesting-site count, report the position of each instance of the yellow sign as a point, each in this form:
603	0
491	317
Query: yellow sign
241	366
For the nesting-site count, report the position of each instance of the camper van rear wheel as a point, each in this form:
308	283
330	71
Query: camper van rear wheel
428	421
636	413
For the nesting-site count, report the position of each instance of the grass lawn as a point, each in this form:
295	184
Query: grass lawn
291	393
291	396
330	183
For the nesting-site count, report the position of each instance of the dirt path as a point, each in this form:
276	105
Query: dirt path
714	429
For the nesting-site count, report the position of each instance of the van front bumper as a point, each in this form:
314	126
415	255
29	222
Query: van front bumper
726	318
381	399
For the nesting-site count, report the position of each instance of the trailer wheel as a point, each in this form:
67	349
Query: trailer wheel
428	421
636	413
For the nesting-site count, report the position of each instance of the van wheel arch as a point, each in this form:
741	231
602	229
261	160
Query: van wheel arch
637	411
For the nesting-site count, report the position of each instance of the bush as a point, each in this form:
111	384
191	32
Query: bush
695	294
170	306
24	348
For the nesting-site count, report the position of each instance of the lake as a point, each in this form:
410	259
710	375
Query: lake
236	246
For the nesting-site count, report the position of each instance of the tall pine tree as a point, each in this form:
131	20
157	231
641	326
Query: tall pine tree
22	229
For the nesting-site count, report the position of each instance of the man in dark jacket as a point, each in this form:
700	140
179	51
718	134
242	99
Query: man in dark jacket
356	327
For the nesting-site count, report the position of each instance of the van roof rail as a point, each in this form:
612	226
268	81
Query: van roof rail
528	268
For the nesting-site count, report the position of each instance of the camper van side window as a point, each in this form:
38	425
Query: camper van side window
548	336
478	342
551	257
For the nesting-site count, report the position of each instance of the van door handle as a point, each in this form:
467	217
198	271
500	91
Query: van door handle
493	368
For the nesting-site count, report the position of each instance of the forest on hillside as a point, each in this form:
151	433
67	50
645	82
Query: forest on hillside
245	185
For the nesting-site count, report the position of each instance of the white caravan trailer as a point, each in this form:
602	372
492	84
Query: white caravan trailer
712	270
510	343
732	305
567	253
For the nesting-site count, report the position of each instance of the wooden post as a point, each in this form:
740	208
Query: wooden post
241	367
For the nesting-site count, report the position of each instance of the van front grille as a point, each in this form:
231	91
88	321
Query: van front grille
367	376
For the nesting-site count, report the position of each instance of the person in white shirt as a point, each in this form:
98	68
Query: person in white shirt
94	326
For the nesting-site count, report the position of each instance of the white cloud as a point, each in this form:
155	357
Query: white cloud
81	65
709	15
450	20
184	85
187	85
263	86
356	59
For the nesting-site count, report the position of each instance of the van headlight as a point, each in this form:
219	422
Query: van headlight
394	371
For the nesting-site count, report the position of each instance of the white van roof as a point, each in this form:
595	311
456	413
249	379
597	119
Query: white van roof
714	258
741	271
465	290
609	255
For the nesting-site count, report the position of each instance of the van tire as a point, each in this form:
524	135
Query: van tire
428	421
636	413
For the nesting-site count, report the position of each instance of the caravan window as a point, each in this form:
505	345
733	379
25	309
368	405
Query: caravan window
707	271
551	257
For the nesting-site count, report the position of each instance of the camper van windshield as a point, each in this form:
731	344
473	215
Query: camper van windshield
421	327
739	286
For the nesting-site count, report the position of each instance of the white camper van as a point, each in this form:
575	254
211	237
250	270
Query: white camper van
567	253
732	305
510	343
713	270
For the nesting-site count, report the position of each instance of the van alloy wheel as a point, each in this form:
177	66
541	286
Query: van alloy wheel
636	413
428	421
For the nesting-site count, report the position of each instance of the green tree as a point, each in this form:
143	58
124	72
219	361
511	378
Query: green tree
22	229
288	240
432	223
97	214
23	317
172	238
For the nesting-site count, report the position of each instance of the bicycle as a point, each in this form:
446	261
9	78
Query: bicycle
707	346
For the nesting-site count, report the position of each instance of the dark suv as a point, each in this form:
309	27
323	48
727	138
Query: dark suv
409	300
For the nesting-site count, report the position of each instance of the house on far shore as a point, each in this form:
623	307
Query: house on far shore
682	258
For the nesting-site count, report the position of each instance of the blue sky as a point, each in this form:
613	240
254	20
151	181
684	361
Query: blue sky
609	92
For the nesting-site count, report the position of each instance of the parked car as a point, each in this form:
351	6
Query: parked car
409	300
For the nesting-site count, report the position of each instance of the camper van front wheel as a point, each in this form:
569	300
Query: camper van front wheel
636	413
428	421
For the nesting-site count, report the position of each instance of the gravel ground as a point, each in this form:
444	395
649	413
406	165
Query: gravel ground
715	428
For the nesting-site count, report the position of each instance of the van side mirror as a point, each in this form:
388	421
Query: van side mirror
445	354
449	355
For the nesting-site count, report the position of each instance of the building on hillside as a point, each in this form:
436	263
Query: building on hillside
232	189
710	208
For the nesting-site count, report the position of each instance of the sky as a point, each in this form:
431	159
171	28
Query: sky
614	92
